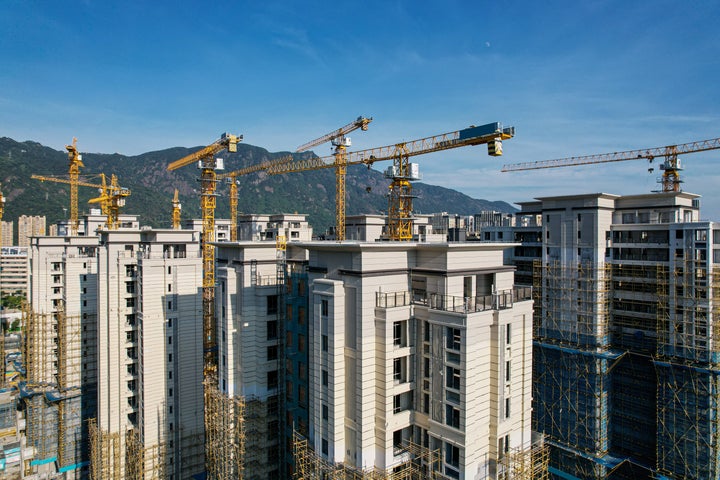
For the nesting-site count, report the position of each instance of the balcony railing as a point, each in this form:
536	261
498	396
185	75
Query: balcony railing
392	299
451	303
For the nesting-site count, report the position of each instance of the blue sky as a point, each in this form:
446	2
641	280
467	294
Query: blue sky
573	77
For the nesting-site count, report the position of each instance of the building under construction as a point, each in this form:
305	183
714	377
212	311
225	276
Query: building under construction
392	360
625	356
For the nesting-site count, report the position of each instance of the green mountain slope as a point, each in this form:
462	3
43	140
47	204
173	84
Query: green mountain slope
152	186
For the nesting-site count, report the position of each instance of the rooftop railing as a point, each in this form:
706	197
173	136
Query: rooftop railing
452	303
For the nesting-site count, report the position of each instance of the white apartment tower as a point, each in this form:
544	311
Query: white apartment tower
427	344
150	396
61	353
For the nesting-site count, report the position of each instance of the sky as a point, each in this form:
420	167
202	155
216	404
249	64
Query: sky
572	77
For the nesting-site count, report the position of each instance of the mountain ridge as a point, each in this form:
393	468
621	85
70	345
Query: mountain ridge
152	186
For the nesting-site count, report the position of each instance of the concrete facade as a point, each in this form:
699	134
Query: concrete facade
150	347
426	343
627	292
14	270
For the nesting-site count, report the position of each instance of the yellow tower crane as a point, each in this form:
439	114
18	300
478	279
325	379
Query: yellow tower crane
176	211
231	179
402	172
208	185
2	325
2	205
111	199
340	142
75	162
671	167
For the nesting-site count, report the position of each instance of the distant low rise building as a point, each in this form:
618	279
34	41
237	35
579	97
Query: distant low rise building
13	270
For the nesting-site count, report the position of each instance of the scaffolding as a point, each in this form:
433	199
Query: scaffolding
144	462
105	453
572	303
572	362
526	464
422	464
224	434
688	374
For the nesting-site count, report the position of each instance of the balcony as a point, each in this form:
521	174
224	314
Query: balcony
498	301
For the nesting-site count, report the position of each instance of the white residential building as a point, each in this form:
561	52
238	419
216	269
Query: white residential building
429	343
150	352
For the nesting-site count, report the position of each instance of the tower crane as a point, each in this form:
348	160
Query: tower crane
2	325
176	211
75	162
2	205
231	179
402	172
340	142
111	198
208	181
671	166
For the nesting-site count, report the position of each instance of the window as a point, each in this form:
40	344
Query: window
169	357
324	308
426	367
272	379
325	448
272	329
301	342
302	394
288	339
397	333
169	287
170	392
272	352
324	343
452	416
452	378
325	378
169	270
169	340
507	371
272	304
452	455
302	371
453	338
397	369
324	412
508	334
169	305
507	408
288	390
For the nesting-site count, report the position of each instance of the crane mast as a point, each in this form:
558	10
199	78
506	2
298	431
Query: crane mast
208	185
671	167
231	179
75	162
176	211
340	142
400	221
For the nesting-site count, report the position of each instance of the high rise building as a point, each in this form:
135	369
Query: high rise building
381	356
60	354
6	234
30	226
627	292
149	337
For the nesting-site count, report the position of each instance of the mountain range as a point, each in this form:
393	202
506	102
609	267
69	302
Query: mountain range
152	186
